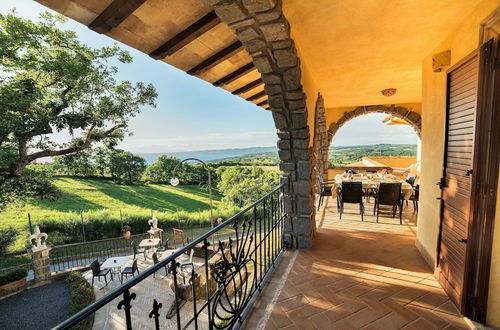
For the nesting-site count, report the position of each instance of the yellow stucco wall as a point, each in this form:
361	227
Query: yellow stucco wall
395	161
461	42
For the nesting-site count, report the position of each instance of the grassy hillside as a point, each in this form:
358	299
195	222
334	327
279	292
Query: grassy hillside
340	156
93	196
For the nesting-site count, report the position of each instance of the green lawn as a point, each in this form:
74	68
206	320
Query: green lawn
96	195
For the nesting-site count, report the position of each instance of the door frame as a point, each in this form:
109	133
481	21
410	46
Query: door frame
484	181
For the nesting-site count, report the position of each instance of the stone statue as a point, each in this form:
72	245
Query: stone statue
36	240
153	222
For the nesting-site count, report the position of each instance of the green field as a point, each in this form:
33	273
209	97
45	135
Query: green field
95	196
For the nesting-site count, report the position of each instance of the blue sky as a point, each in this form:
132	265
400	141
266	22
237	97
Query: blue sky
191	114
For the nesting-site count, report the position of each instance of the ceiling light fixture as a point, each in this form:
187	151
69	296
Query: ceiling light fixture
388	91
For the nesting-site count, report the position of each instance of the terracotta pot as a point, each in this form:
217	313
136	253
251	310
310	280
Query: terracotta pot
12	286
127	234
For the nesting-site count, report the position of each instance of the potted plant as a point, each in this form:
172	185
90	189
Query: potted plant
126	231
13	280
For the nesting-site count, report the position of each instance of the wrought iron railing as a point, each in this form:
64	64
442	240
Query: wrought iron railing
76	255
219	290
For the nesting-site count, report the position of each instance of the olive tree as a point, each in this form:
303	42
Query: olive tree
52	83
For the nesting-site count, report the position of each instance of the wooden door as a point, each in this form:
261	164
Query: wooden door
457	183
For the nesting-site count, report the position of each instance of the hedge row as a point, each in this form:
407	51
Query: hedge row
82	295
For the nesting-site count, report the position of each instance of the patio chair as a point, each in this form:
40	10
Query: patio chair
130	271
325	189
155	261
389	194
162	248
178	234
187	263
351	192
415	196
138	251
98	272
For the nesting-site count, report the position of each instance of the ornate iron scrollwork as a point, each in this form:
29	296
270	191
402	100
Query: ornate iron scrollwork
155	312
232	273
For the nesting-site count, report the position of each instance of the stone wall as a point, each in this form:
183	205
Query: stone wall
412	117
265	34
320	141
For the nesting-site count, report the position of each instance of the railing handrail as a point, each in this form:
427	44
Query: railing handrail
92	308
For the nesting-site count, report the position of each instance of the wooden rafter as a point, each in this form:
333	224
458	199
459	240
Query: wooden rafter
263	103
114	14
217	58
256	96
235	74
248	87
186	36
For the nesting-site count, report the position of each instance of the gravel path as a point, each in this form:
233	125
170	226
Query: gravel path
39	308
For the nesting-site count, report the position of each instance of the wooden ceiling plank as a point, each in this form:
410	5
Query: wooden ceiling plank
235	74
256	96
262	103
248	87
186	36
217	58
114	14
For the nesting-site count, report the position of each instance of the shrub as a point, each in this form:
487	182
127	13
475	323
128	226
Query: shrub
7	237
13	275
82	295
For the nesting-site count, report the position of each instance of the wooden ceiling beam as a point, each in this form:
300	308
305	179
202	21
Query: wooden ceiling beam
263	103
217	58
238	73
186	36
114	14
248	87
256	96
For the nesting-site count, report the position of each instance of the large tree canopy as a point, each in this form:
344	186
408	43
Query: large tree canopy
51	83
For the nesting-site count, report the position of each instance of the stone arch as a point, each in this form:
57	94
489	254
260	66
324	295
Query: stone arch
265	34
412	117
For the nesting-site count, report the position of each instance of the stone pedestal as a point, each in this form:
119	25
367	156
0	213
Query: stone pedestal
155	233
41	264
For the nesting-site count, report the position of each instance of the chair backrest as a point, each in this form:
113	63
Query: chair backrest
95	267
134	265
155	258
410	178
416	193
134	247
389	193
352	192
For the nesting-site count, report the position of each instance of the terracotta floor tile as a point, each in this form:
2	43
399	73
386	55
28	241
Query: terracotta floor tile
362	317
279	317
293	303
391	321
430	300
409	294
448	307
420	324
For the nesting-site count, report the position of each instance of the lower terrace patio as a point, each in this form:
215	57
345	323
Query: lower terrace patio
357	275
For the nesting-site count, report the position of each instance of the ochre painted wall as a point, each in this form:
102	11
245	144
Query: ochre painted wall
461	42
494	293
395	161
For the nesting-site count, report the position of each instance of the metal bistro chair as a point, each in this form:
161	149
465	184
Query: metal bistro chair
325	189
389	194
138	251
187	263
155	261
98	272
130	271
351	192
415	197
162	248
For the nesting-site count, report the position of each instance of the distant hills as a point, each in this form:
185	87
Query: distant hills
210	155
272	152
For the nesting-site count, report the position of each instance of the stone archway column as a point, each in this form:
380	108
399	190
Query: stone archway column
265	33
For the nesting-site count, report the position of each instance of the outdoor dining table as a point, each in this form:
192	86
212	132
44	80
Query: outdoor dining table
374	183
115	264
149	243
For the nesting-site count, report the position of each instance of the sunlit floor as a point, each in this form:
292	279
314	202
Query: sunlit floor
358	275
